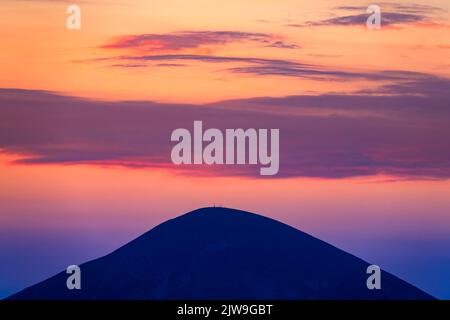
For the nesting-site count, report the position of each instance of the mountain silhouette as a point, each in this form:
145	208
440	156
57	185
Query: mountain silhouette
220	253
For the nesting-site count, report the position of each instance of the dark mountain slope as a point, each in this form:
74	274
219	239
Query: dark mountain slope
219	253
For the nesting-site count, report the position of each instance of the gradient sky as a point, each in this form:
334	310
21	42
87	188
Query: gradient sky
86	117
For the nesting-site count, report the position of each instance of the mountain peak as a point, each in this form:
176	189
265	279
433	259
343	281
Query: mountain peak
216	210
223	253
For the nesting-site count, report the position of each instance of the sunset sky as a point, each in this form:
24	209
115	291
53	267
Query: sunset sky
86	117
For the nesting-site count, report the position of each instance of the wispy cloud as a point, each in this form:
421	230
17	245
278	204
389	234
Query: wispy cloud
261	67
401	130
182	41
389	18
392	14
282	45
401	7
